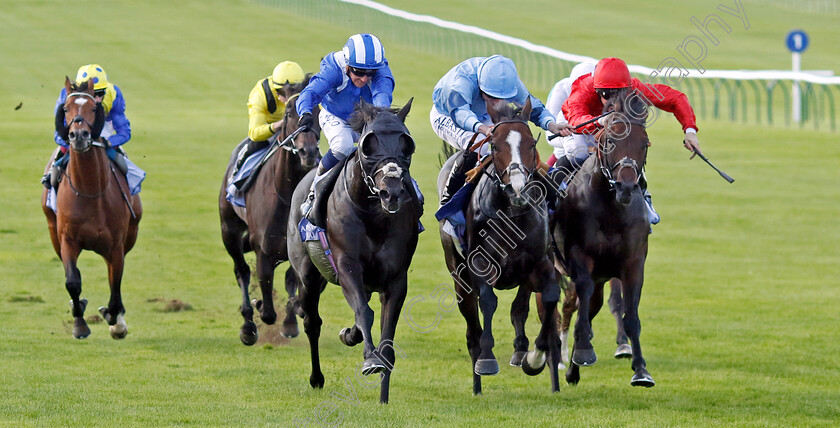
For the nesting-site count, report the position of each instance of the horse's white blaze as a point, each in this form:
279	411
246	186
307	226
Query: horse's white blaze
391	170
517	178
80	101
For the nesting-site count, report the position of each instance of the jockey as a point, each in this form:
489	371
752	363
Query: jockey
554	103
460	101
357	72
266	107
115	132
590	93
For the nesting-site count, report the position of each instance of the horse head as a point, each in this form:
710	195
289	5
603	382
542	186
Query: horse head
622	145
513	148
385	149
87	117
305	144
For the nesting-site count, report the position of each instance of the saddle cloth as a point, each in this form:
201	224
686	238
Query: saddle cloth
234	195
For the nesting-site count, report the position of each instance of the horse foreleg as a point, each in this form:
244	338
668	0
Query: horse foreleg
518	316
468	306
487	302
583	354
350	278
265	273
546	346
392	302
73	282
570	306
310	296
290	324
631	281
622	350
114	314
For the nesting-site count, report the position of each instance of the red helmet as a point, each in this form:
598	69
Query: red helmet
611	73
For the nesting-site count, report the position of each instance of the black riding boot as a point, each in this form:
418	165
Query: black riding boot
458	175
247	150
52	177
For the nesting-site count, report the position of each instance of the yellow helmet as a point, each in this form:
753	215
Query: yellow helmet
92	72
286	72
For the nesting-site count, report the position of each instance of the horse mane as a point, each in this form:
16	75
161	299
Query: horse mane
364	113
508	111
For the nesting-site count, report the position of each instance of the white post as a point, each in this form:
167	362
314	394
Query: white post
797	102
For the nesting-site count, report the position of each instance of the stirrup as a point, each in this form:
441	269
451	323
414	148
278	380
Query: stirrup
306	206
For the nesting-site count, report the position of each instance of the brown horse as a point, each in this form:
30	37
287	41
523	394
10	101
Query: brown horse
261	226
95	210
602	230
508	245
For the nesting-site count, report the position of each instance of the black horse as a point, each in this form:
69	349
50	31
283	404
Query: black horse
261	226
372	220
508	245
602	229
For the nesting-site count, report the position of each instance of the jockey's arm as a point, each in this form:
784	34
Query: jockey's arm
382	87
122	127
671	100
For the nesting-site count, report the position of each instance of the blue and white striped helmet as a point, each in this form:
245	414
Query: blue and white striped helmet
364	51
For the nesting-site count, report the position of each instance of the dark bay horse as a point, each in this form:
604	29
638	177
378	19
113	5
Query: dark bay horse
372	220
508	245
95	210
602	230
261	226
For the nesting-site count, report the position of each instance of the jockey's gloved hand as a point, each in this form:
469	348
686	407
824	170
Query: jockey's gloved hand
105	141
305	121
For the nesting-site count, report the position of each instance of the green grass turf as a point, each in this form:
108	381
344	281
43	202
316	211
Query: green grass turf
739	310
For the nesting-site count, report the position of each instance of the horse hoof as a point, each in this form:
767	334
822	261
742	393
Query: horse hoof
488	367
347	338
80	329
372	365
119	329
642	379
623	351
290	330
584	357
316	381
516	358
534	362
248	333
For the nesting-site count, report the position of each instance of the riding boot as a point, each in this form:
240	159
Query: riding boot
653	216
53	176
246	151
458	175
306	206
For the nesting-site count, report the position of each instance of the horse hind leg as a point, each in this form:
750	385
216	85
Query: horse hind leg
232	231
73	283
518	316
114	314
623	349
290	324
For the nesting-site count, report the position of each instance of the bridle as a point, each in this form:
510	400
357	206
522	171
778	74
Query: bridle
79	119
289	144
392	167
495	175
605	142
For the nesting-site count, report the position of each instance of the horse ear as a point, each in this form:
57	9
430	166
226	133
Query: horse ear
526	111
67	84
404	111
493	109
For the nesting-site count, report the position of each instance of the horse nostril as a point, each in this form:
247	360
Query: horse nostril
384	194
72	135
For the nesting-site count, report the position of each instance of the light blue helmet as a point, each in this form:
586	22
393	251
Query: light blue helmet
364	51
497	77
